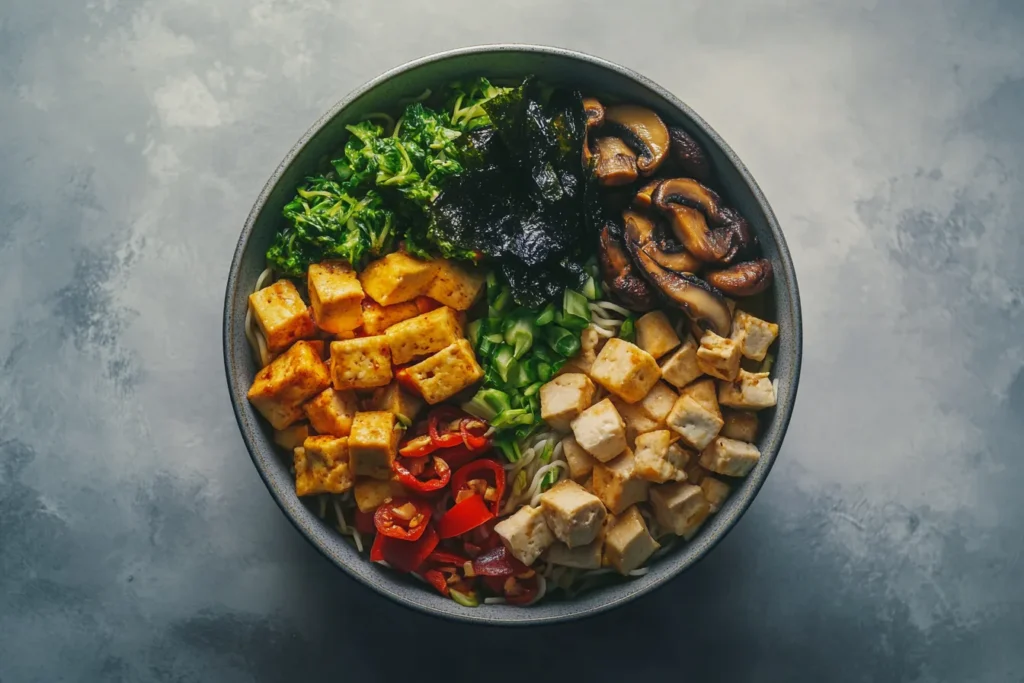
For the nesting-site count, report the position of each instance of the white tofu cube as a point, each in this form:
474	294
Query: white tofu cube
656	460
740	425
637	421
680	508
753	335
658	402
564	398
628	543
750	390
581	463
583	557
525	534
681	368
696	424
573	514
336	296
618	484
654	334
705	393
600	431
716	492
719	356
730	457
625	370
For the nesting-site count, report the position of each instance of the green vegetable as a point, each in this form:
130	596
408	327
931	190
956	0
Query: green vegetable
503	359
575	310
512	418
562	341
473	331
627	331
768	362
519	334
487	403
465	599
546	317
510	449
533	388
545	371
591	289
466	100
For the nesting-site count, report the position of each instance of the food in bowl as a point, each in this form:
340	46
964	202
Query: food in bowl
515	337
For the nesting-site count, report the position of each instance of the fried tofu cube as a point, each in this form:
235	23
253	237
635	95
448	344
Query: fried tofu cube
750	390
377	318
680	508
695	474
654	334
373	444
680	368
322	466
740	425
336	296
281	315
753	335
581	463
288	381
573	514
705	393
719	356
446	373
591	343
625	370
455	285
360	363
695	423
730	457
423	335
600	431
716	492
564	398
618	484
292	437
637	421
370	493
655	459
394	399
628	543
658	402
396	278
331	412
582	557
525	534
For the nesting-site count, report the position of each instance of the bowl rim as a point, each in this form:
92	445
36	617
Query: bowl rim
783	415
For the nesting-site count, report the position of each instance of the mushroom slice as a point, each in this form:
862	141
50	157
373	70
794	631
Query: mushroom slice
642	130
594	112
743	279
642	200
711	232
688	155
619	274
672	256
616	162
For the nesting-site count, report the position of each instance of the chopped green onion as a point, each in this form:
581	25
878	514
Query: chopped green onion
519	335
545	371
510	449
501	302
549	479
627	332
493	287
575	309
465	599
487	403
546	317
519	485
532	389
486	347
473	331
563	342
512	418
403	420
769	361
591	289
519	375
548	451
503	358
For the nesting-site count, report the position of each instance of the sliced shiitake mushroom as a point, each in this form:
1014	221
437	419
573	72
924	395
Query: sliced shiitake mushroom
641	129
615	162
710	231
743	279
619	274
594	112
688	156
642	200
666	253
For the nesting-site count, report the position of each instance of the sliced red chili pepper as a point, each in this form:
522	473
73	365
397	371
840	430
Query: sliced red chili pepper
436	579
424	304
404	556
402	518
364	522
448	558
474	442
469	514
434	477
441	414
419	446
488	470
457	456
523	591
498	562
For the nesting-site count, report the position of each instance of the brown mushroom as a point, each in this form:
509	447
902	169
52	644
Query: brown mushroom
743	279
664	252
594	112
642	200
688	156
615	162
619	274
642	130
710	231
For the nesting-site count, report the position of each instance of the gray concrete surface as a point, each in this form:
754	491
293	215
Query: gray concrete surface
137	542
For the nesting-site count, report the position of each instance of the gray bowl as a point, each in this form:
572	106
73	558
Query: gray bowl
553	65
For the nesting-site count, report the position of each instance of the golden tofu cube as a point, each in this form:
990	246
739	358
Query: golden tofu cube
730	457
600	430
373	444
574	515
637	421
336	296
618	484
565	397
750	390
656	460
525	533
292	437
740	425
658	402
654	334
581	463
680	508
716	492
291	379
322	466
719	356
455	285
582	557
446	373
370	493
628	543
281	315
680	368
396	278
753	335
394	399
331	412
705	393
694	422
361	363
625	370
377	318
423	335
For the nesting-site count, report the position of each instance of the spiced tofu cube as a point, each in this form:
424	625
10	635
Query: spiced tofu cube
331	412
396	278
628	544
581	463
377	318
525	534
394	399
618	484
423	335
564	398
322	466
291	379
750	391
360	363
336	296
730	457
753	335
573	514
740	425
455	285
371	493
680	508
655	459
654	334
625	370
704	392
694	422
373	444
292	437
600	431
719	356
446	373
658	402
681	368
281	315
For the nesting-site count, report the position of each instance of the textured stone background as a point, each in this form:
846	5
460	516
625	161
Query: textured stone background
136	539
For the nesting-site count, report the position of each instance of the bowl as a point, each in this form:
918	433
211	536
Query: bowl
554	65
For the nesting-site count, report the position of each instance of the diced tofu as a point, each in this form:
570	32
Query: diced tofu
336	296
446	373
373	444
705	393
618	484
637	421
715	492
322	466
680	457
394	399
740	425
292	437
564	398
750	390
377	318
655	460
654	334
680	508
696	424
370	493
719	356
628	543
361	363
730	457
658	402
291	379
695	474
396	278
573	514
455	285
680	368
583	557
423	335
600	431
753	335
591	343
281	315
625	370
525	534
331	412
581	463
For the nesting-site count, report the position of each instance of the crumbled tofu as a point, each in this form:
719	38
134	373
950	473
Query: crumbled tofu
396	278
360	363
655	460
525	534
600	431
680	508
719	356
394	399
753	335
377	318
696	424
292	437
336	296
628	543
750	390
446	373
730	457
581	463
564	398
373	444
322	466
371	493
573	514
279	390
625	370
658	402
637	421
591	343
705	393
715	492
423	335
654	334
281	315
618	484
680	368
582	557
455	285
331	412
740	425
